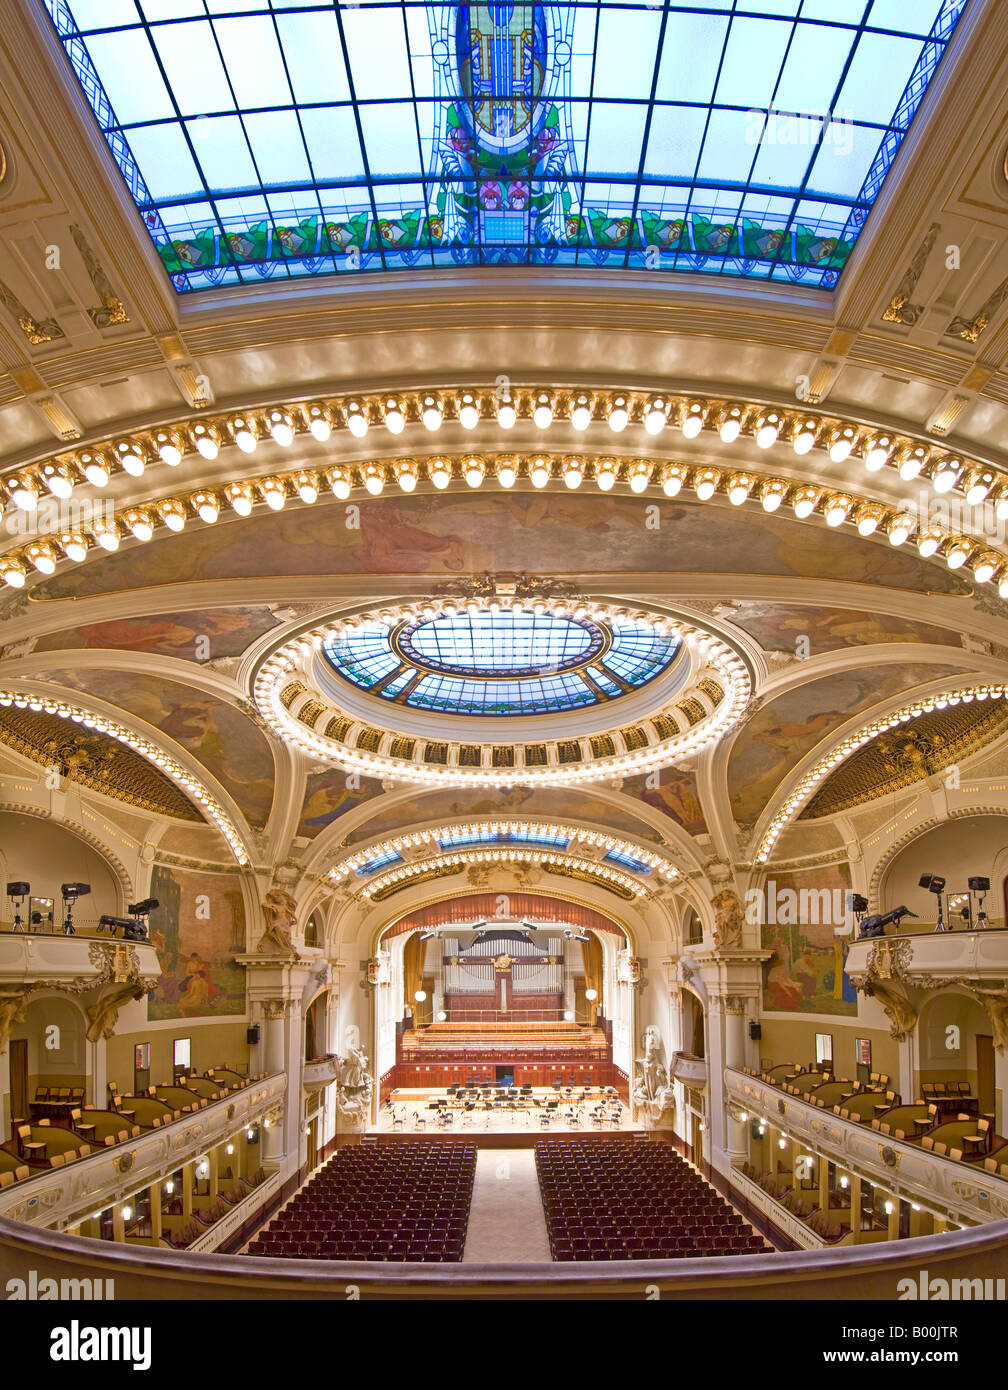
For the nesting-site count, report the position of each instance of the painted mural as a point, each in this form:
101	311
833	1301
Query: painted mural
201	635
330	794
674	794
197	929
505	801
537	532
779	626
784	730
223	739
806	972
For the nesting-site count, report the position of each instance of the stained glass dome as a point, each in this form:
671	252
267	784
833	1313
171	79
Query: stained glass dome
503	662
280	138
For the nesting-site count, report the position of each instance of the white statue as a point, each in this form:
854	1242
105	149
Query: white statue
279	910
355	1085
652	1094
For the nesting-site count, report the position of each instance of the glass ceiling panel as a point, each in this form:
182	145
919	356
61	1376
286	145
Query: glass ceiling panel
738	137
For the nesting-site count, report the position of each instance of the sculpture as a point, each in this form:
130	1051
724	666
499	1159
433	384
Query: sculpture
651	1094
728	919
279	909
355	1085
103	1014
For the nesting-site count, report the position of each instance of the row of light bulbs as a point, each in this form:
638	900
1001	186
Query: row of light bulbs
242	495
851	744
574	834
297	656
587	867
178	774
766	426
384	619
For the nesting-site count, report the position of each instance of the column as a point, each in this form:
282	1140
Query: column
188	1177
823	1182
154	1193
118	1224
855	1208
272	1143
213	1171
892	1226
274	1012
1000	1086
736	1138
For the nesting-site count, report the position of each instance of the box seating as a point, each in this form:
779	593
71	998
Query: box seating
624	1199
401	1202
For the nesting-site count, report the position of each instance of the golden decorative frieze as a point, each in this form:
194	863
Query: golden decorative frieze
899	309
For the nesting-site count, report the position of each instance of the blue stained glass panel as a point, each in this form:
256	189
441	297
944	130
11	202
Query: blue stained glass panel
605	134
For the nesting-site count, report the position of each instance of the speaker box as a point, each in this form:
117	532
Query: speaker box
755	1031
252	1034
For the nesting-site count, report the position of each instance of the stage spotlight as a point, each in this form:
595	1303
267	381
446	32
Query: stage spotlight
142	909
934	883
976	885
71	892
19	891
857	903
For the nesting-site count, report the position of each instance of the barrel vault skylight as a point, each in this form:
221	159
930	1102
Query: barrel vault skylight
282	138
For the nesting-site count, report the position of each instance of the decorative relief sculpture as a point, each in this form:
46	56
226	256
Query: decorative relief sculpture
279	909
728	920
652	1095
355	1085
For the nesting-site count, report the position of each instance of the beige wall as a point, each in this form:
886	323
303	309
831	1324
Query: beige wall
46	854
793	1040
213	1044
957	850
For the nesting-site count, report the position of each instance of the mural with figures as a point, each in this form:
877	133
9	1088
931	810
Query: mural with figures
331	794
806	972
224	740
780	627
190	636
784	730
673	793
197	929
540	533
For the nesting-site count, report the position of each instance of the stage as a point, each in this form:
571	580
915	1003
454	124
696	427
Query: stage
505	1116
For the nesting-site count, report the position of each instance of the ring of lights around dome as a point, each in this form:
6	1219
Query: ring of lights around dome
850	745
501	661
703	692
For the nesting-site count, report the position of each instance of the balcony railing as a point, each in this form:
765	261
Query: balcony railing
961	1192
64	1196
41	959
921	959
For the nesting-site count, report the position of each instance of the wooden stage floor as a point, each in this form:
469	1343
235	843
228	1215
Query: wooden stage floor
498	1127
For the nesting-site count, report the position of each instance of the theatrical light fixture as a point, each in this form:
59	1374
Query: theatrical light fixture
618	414
131	460
106	534
207	507
42	557
606	472
705	484
141	524
580	415
357	421
868	520
957	555
507	473
927	543
899	529
24	493
767	429
431	414
143	908
244	435
542	413
772	495
374	479
731	425
640	476
173	515
539	471
468	412
945	475
911	464
983	572
672	478
473	470
405	475
319	424
281	427
95	469
656	415
837	509
307	487
804	502
877	455
74	547
694	422
739	488
573	472
977	487
339	482
841	444
805	437
58	481
206	441
506	413
439	471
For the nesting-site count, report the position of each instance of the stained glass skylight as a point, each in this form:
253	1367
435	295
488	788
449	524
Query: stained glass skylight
501	662
283	138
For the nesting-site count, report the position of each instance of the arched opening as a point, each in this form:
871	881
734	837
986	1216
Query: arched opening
47	1052
315	1029
956	1047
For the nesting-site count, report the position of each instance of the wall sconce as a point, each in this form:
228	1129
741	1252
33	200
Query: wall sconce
169	1186
229	1149
127	1212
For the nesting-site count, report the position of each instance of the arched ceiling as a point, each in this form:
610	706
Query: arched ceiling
834	626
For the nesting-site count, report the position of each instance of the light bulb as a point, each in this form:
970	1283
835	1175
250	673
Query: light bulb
772	498
507	473
927	545
605	474
841	445
42	558
205	443
320	427
836	511
374	480
274	494
240	499
168	451
976	492
957	556
506	414
738	491
142	526
339	482
910	467
24	494
281	428
430	413
656	416
984	572
357	421
1003	587
439	472
307	486
867	524
60	484
244	436
878	455
804	439
468	413
108	538
580	416
804	505
406	476
474	471
207	509
13	575
767	432
945	477
573	472
731	428
619	414
542	415
132	462
539	472
672	481
96	472
705	486
693	423
640	476
899	530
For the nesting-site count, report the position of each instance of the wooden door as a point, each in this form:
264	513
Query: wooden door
985	1072
19	1079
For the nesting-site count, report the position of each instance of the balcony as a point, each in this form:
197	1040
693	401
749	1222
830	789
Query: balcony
900	970
44	961
320	1072
690	1070
964	1193
64	1196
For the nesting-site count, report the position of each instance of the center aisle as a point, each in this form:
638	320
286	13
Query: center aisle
506	1220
